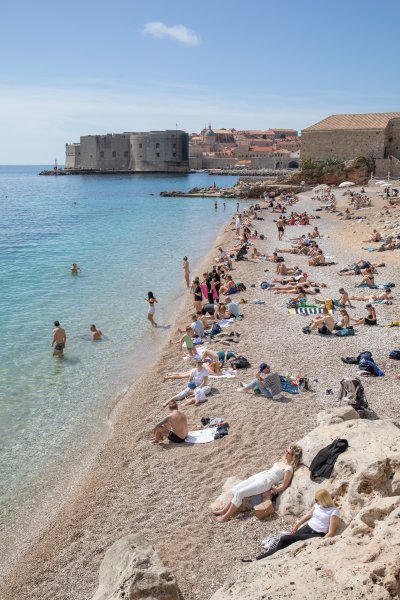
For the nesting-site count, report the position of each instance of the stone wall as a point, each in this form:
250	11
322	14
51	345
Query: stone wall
108	152
385	167
155	151
343	144
72	156
393	139
267	162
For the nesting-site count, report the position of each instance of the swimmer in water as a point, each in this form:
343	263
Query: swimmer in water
95	333
59	339
75	269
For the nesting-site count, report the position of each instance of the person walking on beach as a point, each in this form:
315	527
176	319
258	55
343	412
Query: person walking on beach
95	333
238	224
152	308
281	227
186	271
59	339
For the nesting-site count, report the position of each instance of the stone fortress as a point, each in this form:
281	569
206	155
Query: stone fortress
130	152
344	137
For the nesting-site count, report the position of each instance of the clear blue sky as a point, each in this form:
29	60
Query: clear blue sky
73	67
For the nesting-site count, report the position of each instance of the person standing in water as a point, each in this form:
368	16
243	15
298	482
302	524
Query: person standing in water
152	308
75	269
95	333
186	271
224	206
59	339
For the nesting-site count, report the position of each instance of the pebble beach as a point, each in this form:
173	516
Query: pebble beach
164	492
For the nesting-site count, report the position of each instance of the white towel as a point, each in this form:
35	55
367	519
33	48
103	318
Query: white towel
225	374
202	436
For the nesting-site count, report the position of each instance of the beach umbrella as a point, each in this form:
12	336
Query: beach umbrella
323	186
346	184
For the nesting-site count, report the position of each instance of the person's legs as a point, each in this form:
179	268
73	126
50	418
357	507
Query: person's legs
304	533
250	386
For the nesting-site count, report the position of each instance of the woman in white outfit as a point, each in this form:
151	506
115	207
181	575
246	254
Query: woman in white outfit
152	308
276	479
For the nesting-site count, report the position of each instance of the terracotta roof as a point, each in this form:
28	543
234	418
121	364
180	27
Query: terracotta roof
366	121
261	149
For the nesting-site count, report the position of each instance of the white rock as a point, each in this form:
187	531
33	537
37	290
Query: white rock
132	570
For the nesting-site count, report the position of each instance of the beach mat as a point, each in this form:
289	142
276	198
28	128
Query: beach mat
202	436
307	310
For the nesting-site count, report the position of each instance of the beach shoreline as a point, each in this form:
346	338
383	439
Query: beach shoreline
163	493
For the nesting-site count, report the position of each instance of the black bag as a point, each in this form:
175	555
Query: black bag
240	363
395	354
322	464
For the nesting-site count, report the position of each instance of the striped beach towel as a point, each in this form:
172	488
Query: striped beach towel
307	310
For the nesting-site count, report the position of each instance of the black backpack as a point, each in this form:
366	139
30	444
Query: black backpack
240	363
322	464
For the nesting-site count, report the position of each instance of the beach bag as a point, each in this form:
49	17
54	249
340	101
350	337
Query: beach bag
241	287
395	354
324	461
345	332
240	363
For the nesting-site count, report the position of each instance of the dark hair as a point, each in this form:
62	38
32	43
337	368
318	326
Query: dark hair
185	258
150	295
172	405
369	305
56	323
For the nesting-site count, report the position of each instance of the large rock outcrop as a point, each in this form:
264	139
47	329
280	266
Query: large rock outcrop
357	170
132	570
363	561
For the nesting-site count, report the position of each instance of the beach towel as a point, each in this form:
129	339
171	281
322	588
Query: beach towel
202	436
307	310
226	322
225	375
376	286
288	387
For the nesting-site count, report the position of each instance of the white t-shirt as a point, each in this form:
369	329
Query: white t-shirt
321	517
198	376
200	395
197	326
238	223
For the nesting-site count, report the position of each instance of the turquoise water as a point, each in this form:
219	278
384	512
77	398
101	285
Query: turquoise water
127	240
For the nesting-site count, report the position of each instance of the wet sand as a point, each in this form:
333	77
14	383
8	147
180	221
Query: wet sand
163	492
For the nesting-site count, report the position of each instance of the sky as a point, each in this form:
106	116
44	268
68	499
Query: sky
81	67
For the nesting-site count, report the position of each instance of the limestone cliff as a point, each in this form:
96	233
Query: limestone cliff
363	560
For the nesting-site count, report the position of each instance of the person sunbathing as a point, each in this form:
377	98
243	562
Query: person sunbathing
321	522
276	480
228	286
174	426
370	319
344	321
368	279
383	295
222	356
375	237
343	298
257	254
317	260
324	323
315	233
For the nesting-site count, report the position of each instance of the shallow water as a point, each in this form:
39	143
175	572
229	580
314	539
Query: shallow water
127	240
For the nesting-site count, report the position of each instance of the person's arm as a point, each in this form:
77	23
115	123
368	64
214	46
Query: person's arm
204	381
333	523
303	520
65	338
277	489
161	423
54	339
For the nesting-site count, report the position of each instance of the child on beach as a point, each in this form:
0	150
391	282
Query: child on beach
152	308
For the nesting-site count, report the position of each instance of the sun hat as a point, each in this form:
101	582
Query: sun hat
262	367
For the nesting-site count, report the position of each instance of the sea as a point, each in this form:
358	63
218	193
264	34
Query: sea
127	240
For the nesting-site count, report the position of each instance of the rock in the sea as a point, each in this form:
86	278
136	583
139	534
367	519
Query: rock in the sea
363	561
132	570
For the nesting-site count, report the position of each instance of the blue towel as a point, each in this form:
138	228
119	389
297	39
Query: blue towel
288	387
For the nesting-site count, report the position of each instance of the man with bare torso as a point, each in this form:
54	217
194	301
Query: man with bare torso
95	333
59	339
174	427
